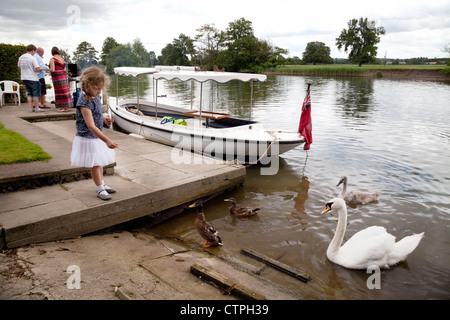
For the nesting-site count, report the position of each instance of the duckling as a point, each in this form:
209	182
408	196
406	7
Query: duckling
356	197
204	228
242	213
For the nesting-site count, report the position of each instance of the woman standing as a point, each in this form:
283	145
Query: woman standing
63	98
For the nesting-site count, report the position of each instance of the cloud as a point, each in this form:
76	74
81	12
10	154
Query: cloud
289	24
45	14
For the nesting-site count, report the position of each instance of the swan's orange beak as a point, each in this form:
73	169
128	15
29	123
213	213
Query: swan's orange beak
327	208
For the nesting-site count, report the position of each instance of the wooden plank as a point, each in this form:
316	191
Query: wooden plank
127	294
207	114
277	265
229	286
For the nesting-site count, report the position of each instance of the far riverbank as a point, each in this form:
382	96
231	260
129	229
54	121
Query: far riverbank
433	73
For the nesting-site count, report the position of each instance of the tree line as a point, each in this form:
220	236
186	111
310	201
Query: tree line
235	49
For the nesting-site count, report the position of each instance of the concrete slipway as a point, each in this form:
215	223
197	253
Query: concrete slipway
150	179
114	265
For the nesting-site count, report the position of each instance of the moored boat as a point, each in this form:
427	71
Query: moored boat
217	134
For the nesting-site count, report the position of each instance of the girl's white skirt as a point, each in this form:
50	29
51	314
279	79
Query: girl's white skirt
89	153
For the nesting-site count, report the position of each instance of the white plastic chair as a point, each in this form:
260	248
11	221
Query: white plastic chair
8	87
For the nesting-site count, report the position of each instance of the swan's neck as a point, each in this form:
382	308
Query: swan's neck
335	244
344	189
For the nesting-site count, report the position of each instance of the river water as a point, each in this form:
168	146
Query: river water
388	136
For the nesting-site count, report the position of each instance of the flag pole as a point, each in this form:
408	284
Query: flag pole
306	159
305	124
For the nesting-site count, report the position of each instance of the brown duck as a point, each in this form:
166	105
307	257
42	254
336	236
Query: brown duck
204	228
243	212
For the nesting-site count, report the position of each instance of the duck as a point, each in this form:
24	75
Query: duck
356	197
204	228
370	247
243	212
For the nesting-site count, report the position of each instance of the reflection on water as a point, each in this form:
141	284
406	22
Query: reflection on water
386	136
356	99
126	87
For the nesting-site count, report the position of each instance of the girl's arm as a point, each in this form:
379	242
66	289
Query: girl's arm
87	116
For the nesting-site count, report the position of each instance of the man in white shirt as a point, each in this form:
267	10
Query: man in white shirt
28	66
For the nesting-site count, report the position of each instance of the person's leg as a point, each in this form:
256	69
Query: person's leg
36	94
42	102
29	91
36	103
30	103
97	176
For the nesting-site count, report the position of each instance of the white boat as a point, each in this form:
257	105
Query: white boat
213	133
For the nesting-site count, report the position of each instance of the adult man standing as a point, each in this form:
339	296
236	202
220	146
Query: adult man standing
28	66
41	75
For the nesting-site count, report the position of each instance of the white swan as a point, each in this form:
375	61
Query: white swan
356	197
372	246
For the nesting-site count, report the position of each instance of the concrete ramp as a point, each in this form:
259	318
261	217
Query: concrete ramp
151	180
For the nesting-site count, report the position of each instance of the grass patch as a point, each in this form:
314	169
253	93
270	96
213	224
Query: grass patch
15	148
347	69
323	69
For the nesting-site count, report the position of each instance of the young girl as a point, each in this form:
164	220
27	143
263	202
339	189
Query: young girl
91	148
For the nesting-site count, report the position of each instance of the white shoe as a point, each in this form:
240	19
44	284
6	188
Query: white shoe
104	195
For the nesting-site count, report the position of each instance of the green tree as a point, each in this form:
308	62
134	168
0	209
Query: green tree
153	59
141	54
245	52
120	56
360	40
64	53
317	52
241	44
9	55
176	53
85	55
447	49
131	55
108	44
211	42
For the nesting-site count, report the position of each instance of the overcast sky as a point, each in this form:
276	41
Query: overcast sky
413	28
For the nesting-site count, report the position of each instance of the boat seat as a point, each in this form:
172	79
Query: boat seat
216	125
162	115
228	123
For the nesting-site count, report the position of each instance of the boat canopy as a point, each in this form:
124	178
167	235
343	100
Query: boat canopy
203	76
133	71
183	73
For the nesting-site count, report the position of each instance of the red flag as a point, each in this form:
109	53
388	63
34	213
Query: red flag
305	125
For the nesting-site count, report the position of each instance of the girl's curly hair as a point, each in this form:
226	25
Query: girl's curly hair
93	76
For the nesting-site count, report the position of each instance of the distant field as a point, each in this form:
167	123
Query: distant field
352	68
349	69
